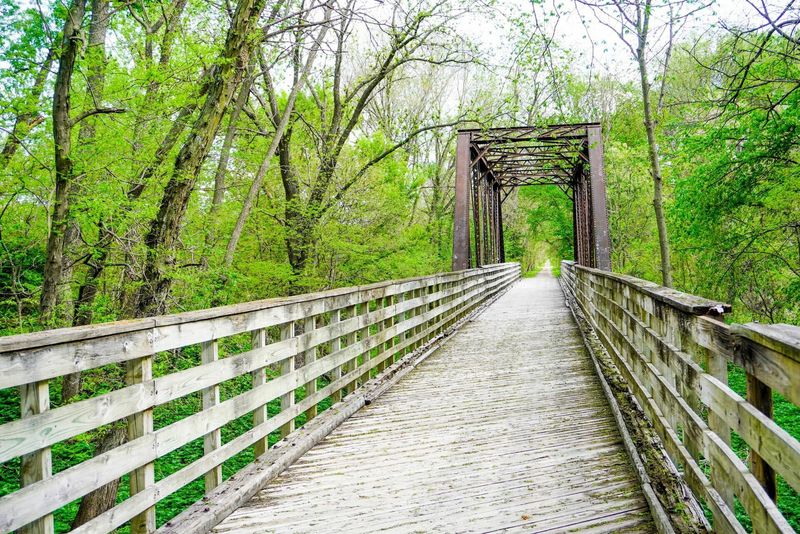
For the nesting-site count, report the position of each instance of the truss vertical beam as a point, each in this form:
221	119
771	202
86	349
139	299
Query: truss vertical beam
485	235
496	223
476	216
583	253
463	190
502	258
601	239
576	230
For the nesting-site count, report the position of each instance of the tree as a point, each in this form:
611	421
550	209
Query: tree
98	28
416	33
29	54
634	22
222	81
280	121
735	203
62	136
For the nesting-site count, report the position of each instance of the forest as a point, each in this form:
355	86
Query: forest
159	156
166	156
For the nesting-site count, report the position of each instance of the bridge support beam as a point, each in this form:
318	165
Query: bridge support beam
501	242
463	190
597	175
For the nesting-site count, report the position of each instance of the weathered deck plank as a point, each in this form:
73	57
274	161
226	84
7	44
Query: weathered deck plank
504	429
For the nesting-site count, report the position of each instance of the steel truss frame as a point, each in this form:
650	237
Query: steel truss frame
491	163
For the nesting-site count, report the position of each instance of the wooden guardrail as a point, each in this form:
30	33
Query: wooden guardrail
674	352
343	335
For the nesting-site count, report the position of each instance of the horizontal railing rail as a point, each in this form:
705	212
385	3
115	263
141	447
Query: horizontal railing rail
329	344
674	352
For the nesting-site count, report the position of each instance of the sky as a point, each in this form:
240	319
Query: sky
595	47
573	26
576	28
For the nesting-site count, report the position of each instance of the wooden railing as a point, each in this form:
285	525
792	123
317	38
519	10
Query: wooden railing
333	341
674	352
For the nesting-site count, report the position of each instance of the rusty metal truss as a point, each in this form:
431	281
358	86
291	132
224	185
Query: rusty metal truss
490	163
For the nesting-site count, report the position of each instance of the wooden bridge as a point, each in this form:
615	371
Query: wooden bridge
469	401
462	402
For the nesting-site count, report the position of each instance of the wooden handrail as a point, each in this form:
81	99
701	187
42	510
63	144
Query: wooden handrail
345	335
673	350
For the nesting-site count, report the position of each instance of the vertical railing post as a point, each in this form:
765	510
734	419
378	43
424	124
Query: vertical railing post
403	318
463	309
416	311
382	347
378	327
352	312
209	352
449	313
259	341
309	324
671	330
387	324
393	339
364	335
431	307
397	320
139	425
287	368
36	466
336	344
760	396
718	368
436	303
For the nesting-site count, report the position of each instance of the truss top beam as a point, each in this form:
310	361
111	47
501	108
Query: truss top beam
528	155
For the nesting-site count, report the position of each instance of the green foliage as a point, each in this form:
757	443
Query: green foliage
736	212
729	158
542	228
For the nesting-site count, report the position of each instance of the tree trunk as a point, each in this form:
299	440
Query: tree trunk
162	238
222	165
298	225
95	82
96	66
28	118
655	170
282	123
98	501
104	497
62	129
293	214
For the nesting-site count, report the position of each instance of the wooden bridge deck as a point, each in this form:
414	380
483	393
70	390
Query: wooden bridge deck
505	428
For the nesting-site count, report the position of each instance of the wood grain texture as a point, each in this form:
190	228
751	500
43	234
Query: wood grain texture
37	356
40	428
660	349
505	428
36	466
